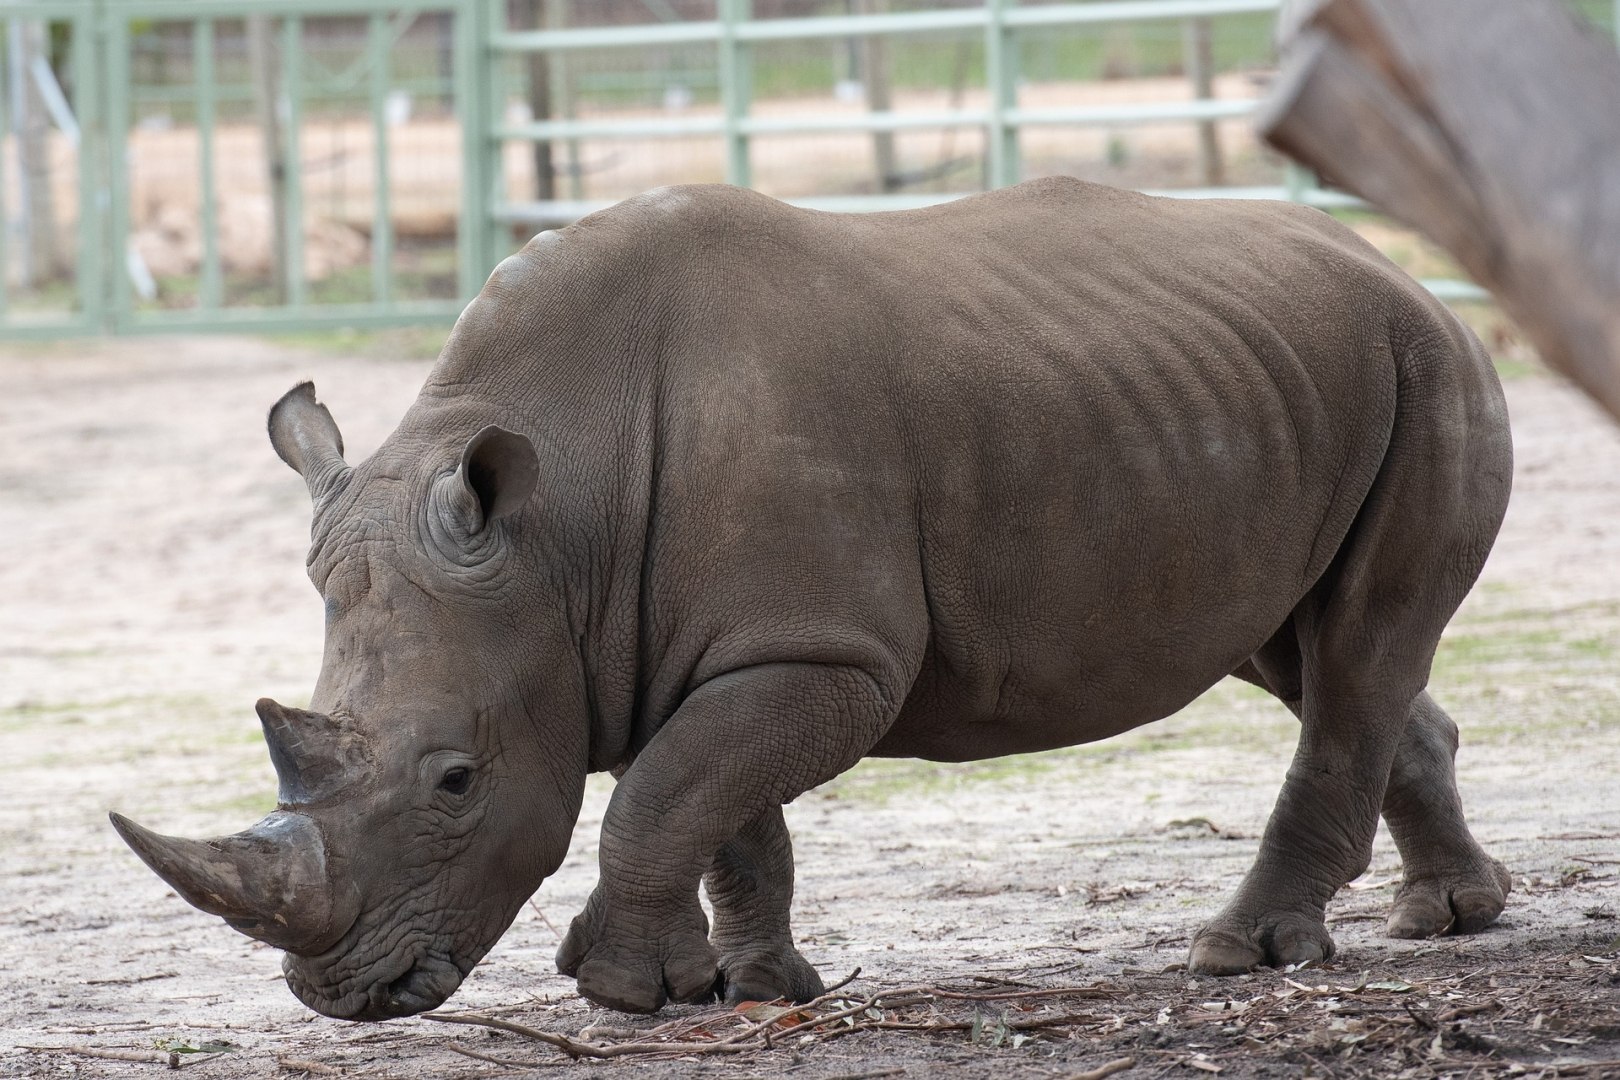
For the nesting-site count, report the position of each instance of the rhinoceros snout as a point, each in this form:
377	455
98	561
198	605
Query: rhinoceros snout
425	985
420	989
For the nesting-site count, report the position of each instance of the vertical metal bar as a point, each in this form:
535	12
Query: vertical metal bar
1198	60
1298	180
119	90
497	237
5	218
210	289
1001	75
16	69
469	42
90	88
734	90
565	91
292	86
382	239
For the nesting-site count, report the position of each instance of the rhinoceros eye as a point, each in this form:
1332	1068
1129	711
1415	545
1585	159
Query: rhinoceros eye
456	781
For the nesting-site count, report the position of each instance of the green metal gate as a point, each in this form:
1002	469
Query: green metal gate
158	151
260	165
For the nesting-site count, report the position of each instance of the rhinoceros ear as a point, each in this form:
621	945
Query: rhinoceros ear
500	469
307	438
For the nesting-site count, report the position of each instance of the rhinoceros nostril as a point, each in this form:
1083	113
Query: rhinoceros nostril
419	990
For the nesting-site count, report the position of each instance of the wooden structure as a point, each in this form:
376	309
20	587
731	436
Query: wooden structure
1491	125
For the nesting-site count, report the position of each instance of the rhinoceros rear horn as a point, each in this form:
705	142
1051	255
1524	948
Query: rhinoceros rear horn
314	756
269	882
306	437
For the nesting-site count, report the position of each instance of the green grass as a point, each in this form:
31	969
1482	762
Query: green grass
245	807
400	343
1505	675
1230	714
418	272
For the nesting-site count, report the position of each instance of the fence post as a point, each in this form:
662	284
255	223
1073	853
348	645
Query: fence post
90	89
1001	76
210	288
5	216
734	90
874	73
1198	53
115	37
267	96
480	150
382	237
292	75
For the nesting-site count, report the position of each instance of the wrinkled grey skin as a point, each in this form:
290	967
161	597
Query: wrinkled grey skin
769	491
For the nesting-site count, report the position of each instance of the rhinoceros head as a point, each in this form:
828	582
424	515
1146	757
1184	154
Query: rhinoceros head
422	798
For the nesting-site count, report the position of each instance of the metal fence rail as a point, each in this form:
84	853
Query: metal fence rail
148	76
999	21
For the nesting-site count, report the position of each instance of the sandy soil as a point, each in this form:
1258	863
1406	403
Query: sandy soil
153	587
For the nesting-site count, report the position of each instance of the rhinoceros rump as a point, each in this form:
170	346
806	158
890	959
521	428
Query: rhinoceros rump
724	496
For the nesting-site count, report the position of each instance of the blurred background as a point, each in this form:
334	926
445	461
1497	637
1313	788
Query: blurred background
295	164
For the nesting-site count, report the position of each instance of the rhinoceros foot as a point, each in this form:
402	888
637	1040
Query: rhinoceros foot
1234	943
1462	902
636	968
769	974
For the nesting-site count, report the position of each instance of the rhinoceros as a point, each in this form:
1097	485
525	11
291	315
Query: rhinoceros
722	496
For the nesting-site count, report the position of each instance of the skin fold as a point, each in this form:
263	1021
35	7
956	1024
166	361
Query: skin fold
724	496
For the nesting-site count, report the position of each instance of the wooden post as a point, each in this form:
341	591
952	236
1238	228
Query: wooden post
266	99
41	257
1198	54
874	75
532	15
1511	165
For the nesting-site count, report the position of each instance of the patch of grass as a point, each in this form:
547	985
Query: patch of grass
1232	713
413	343
1539	642
246	807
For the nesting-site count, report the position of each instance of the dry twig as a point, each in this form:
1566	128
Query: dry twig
1108	1069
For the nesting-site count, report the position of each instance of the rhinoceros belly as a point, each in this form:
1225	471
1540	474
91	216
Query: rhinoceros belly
1117	535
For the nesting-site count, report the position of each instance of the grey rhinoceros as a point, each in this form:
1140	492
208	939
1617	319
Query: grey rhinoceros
724	496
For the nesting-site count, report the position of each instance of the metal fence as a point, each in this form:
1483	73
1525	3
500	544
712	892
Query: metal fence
239	164
282	164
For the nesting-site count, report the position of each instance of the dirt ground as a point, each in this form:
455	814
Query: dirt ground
153	587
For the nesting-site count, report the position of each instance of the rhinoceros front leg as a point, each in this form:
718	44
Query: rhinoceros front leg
751	888
739	746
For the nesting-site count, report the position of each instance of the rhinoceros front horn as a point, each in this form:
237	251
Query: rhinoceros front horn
270	882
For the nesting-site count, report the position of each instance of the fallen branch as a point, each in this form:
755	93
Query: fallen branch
145	1056
832	1015
510	1063
1109	1069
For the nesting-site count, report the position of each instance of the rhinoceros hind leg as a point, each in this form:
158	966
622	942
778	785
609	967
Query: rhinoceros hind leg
751	888
1449	886
1365	636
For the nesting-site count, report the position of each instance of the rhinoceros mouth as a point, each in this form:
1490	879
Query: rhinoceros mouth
424	983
